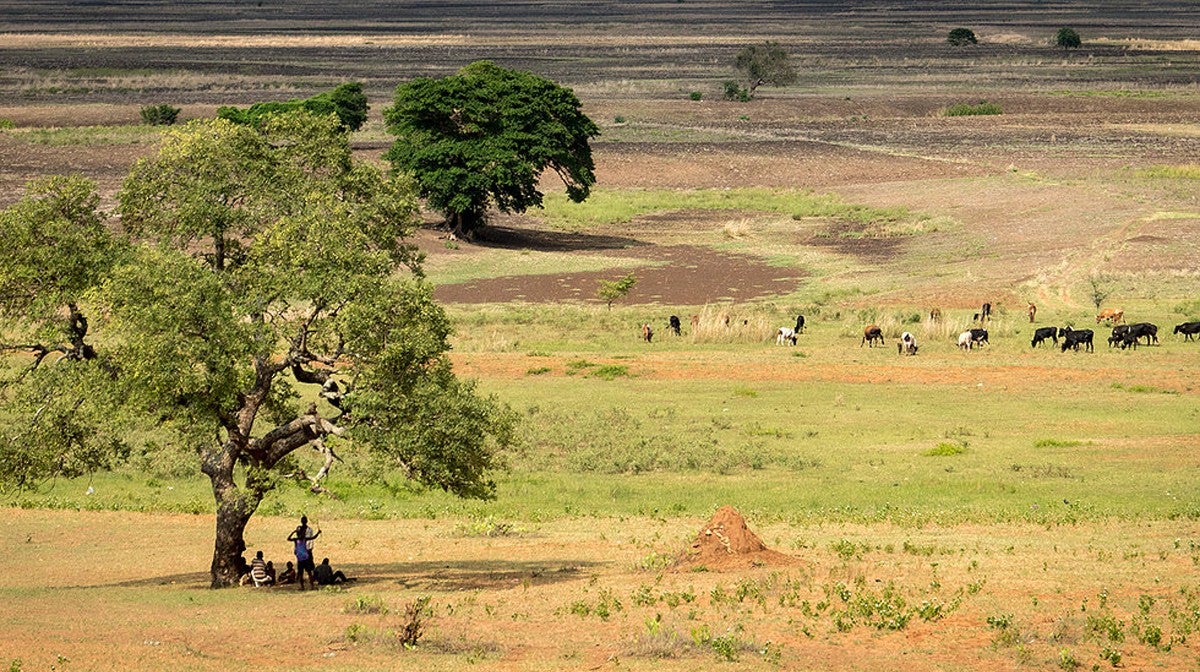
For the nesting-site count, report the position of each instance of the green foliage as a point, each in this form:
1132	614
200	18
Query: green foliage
695	95
731	90
485	136
765	63
961	37
1067	38
346	101
611	290
159	115
6	124
968	110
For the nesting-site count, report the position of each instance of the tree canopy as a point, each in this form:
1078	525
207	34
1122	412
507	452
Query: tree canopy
1067	38
254	263
484	136
347	101
765	63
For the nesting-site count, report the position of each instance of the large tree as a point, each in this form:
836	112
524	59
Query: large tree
257	263
765	63
484	136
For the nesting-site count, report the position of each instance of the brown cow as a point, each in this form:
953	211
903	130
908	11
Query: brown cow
1032	310
935	314
872	333
1111	315
647	333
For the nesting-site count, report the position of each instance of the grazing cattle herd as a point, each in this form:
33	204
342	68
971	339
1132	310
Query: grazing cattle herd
1124	335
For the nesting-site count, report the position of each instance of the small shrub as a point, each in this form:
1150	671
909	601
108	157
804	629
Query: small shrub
1067	38
159	115
618	119
415	615
6	123
537	370
1066	660
486	527
732	91
696	95
968	110
947	449
367	604
610	372
355	632
961	37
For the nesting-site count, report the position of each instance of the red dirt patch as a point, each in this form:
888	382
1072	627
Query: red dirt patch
727	543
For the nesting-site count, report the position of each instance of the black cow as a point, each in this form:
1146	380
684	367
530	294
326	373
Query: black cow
1119	333
799	324
1042	334
1188	329
1128	340
979	336
674	324
984	314
1144	330
1073	339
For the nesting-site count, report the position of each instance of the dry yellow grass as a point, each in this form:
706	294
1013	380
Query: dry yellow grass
108	591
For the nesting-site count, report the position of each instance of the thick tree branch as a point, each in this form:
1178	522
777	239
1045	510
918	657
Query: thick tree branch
284	439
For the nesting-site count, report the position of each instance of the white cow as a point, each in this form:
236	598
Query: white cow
907	344
784	335
965	341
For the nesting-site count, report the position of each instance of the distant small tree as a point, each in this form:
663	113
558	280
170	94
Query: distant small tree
1101	288
611	290
159	115
1067	38
765	63
961	36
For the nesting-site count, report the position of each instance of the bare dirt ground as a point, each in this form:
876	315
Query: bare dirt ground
529	601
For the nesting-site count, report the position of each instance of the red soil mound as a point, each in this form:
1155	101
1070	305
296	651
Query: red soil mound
727	543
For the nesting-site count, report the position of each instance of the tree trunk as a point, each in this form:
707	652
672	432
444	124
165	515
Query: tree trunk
228	562
235	506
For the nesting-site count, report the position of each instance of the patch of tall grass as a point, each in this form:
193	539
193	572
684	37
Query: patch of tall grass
1184	171
972	110
614	206
89	136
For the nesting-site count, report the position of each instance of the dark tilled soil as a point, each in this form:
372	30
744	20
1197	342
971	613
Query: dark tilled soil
688	275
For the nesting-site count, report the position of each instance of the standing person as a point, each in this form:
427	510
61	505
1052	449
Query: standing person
302	537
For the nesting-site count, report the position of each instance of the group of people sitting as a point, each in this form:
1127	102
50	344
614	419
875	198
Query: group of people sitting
261	572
